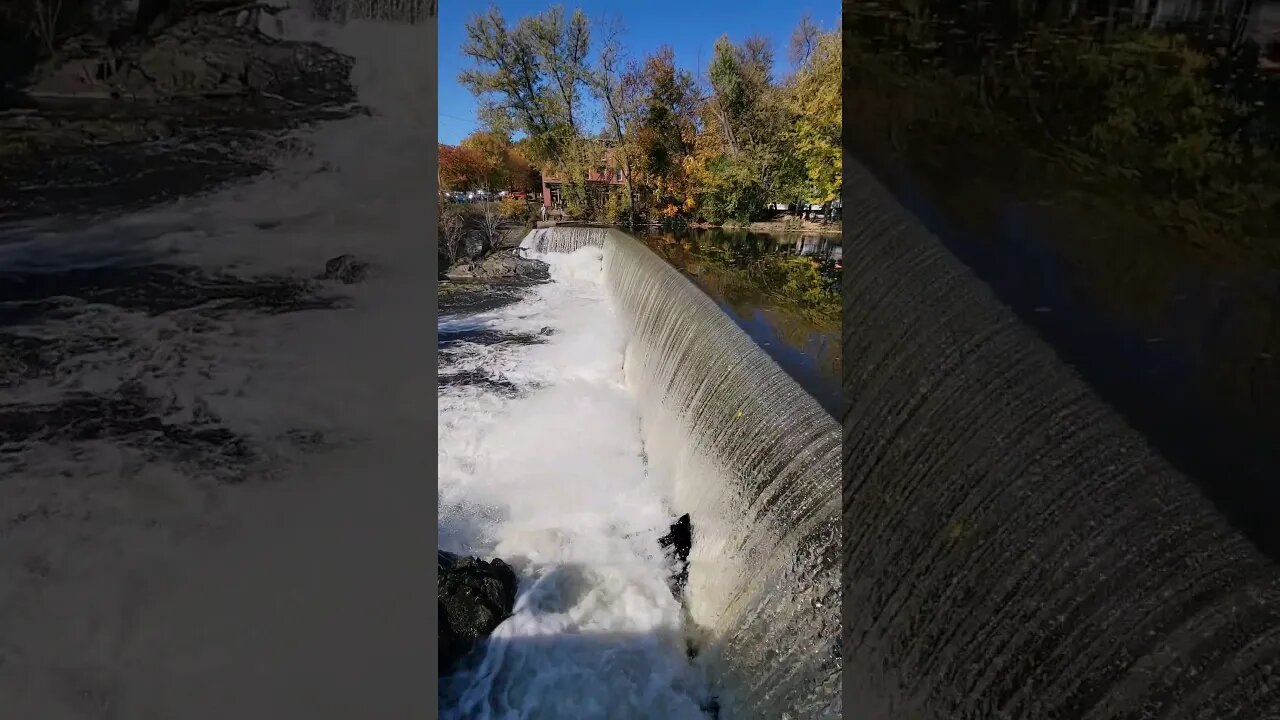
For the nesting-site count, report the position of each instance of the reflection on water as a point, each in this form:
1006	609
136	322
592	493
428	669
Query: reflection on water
1109	170
783	290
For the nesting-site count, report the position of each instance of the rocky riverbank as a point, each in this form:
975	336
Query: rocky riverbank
501	265
202	96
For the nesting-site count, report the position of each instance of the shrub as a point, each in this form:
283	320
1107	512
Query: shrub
514	209
615	208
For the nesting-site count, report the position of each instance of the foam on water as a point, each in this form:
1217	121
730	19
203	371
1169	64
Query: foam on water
555	481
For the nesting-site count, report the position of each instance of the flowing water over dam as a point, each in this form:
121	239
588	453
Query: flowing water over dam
594	411
1014	549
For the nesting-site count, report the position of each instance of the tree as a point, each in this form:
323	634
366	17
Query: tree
720	150
524	176
664	130
618	99
746	112
729	91
452	234
43	20
492	157
459	168
803	41
528	79
490	227
813	97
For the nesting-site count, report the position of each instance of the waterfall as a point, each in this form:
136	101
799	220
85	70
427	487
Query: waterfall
754	460
563	239
1013	549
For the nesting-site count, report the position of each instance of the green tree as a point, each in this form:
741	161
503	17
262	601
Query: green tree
664	130
813	97
749	117
529	78
492	152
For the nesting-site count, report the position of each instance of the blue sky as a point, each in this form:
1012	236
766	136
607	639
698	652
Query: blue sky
690	27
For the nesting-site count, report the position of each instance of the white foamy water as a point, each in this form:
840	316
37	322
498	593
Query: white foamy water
545	468
754	460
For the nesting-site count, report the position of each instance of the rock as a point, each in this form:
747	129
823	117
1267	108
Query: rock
200	54
474	597
499	266
679	539
345	269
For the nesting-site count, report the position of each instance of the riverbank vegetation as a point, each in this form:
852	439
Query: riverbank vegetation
1160	114
671	146
471	231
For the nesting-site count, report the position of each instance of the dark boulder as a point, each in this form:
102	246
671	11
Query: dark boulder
677	542
474	597
346	269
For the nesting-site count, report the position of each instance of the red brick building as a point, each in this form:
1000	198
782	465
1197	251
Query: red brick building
600	181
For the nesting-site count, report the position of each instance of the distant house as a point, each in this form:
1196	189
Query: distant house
601	181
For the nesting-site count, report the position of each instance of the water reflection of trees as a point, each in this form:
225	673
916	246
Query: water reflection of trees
1135	140
796	273
1168	103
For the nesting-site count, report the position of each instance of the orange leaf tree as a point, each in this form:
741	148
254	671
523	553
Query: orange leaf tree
460	167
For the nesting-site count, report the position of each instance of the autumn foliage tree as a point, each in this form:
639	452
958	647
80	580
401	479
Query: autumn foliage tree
460	168
717	148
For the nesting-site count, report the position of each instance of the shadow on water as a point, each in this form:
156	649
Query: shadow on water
783	290
153	289
462	298
526	679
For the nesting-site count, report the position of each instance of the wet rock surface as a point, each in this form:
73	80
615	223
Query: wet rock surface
109	125
463	297
345	269
499	266
474	597
208	52
677	542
